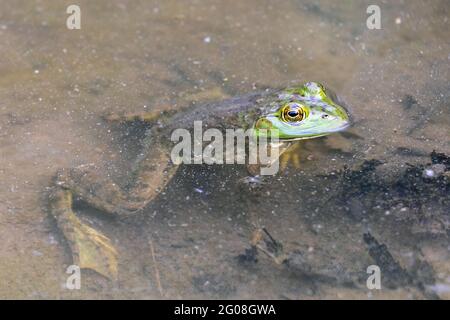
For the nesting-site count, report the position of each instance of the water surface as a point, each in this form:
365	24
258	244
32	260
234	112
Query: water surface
55	84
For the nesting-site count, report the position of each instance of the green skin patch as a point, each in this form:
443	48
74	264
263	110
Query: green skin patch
303	112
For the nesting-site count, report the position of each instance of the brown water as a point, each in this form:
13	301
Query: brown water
56	83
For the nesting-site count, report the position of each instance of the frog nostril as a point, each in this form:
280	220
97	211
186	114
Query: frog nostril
324	116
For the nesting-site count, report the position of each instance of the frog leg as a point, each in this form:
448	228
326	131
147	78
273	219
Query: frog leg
279	148
91	249
260	239
291	156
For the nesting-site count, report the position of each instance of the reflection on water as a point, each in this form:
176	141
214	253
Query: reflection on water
56	83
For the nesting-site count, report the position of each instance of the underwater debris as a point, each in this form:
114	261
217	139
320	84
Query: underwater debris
249	257
297	262
362	181
440	158
423	190
394	275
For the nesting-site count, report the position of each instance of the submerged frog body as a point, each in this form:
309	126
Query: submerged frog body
301	112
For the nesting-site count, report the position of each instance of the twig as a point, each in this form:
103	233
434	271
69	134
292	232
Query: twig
158	279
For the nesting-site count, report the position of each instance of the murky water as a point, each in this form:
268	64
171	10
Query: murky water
55	84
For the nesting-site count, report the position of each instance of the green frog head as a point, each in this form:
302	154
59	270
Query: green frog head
303	112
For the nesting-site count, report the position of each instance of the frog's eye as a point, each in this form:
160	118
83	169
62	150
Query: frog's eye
292	112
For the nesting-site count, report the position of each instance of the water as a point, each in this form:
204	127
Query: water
56	83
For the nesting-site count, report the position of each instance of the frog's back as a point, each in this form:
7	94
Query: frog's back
215	114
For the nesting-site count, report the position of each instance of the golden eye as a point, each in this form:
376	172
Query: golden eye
292	112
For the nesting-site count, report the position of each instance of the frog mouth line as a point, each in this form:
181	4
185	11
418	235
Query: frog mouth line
312	136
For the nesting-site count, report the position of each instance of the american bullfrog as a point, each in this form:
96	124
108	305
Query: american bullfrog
299	112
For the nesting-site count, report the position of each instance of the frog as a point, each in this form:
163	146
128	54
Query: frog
298	112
